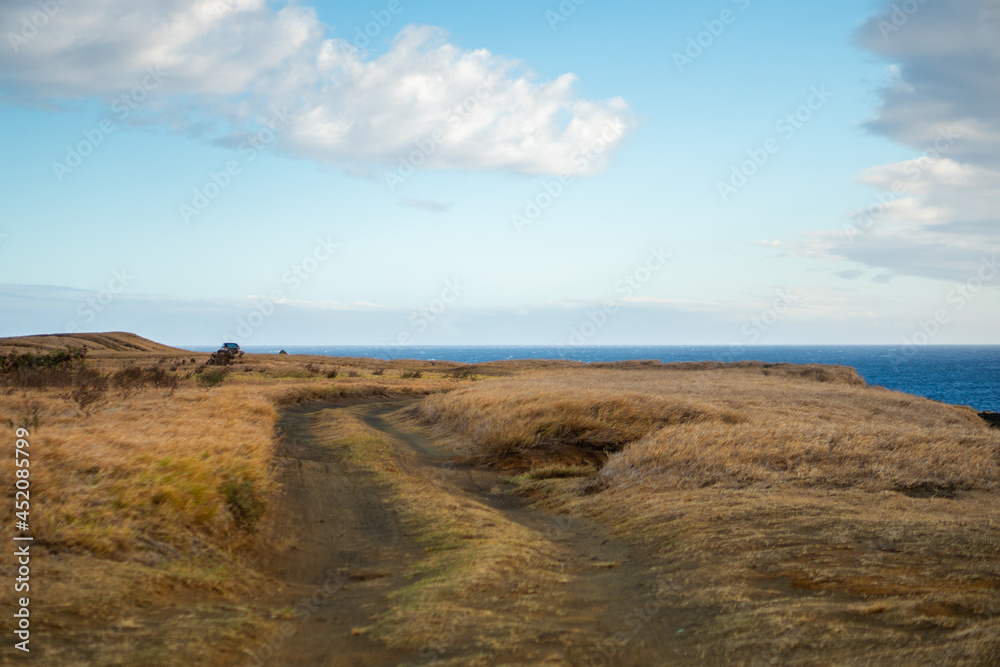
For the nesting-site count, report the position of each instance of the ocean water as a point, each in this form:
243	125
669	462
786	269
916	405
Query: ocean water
962	375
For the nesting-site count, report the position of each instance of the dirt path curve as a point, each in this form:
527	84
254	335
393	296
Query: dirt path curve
337	541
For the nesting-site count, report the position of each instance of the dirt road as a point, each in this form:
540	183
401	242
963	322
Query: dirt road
342	548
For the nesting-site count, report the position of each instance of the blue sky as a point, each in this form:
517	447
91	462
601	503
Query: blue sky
583	150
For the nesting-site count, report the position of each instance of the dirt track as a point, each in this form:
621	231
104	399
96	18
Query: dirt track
336	542
341	548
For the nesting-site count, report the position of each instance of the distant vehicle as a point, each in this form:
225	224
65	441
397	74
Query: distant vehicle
229	351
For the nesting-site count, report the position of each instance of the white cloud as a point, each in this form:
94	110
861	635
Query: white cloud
947	55
229	65
937	216
929	218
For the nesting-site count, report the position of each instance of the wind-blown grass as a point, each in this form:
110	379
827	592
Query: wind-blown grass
736	427
802	516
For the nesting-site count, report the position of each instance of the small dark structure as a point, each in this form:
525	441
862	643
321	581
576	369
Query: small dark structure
991	418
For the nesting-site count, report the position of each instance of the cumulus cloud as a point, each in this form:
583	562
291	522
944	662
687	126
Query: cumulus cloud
936	216
230	66
929	218
946	58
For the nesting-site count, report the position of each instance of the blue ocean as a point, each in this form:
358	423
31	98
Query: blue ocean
961	375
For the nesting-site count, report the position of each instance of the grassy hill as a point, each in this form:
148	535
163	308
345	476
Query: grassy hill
116	341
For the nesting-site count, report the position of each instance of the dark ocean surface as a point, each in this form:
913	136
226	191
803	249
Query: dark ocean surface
963	375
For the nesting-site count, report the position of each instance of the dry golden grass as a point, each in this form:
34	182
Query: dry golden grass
474	554
817	435
115	341
515	415
740	426
154	470
130	505
804	517
156	495
799	576
148	470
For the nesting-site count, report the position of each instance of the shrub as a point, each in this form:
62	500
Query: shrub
28	370
221	358
244	503
412	375
213	378
30	414
332	374
89	389
161	379
378	371
72	356
131	379
353	374
35	378
128	381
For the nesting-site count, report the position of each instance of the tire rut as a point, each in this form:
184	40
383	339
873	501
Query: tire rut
613	611
337	544
333	523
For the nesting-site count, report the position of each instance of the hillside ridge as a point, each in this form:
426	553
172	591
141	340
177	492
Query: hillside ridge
114	341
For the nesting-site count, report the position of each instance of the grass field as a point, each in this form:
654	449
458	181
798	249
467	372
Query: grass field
811	517
799	515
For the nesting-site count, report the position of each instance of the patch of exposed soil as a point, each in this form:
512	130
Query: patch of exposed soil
338	546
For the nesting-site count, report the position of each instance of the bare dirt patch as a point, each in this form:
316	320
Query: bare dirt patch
338	547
